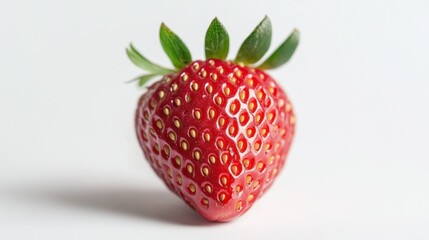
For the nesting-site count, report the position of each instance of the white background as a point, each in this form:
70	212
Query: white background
71	168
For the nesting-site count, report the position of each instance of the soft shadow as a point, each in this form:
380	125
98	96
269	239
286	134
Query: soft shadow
149	204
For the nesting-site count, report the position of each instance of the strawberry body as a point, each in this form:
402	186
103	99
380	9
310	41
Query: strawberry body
217	133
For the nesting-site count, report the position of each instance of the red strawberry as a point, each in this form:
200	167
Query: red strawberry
217	132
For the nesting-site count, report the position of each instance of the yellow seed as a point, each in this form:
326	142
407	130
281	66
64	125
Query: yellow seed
258	118
185	77
195	86
174	87
213	76
257	146
203	73
157	147
192	188
190	168
166	150
208	188
259	95
250	82
211	113
177	102
246	163
238	189
197	114
222	197
242	118
238	206
166	111
196	66
224	158
193	133
184	145
161	94
288	107
249	132
210	89
240	145
232	79
159	124
187	98
231	130
275	171
220	144
207	137
252	106
179	179
270	116
220	69
176	123
205	171
242	95
238	73
223	181
221	121
169	173
197	155
292	120
152	132
212	159
233	107
271	90
267	146
227	91
256	184
260	166
167	79
211	62
205	201
250	197
262	76
234	170
282	131
218	100
172	136
264	131
249	180
178	160
271	161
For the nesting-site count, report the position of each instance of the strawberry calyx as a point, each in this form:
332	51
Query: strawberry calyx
252	50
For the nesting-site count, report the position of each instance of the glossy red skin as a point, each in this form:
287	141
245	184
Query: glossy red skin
231	198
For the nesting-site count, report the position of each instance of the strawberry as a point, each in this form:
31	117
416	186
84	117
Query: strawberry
217	132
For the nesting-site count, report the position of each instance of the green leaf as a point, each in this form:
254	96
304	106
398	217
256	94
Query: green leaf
174	47
256	44
217	41
140	61
145	78
283	53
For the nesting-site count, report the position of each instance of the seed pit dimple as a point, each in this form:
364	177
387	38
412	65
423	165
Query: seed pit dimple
192	188
197	114
234	107
184	77
193	132
190	168
197	155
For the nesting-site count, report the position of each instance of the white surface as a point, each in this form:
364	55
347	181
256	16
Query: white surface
71	167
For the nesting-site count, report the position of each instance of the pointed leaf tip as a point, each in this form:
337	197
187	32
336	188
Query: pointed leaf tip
283	53
140	61
174	47
256	44
217	40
